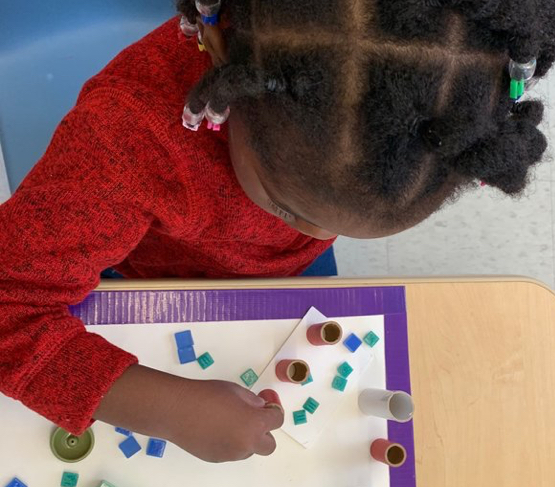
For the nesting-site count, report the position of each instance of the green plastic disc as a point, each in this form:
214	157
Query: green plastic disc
70	448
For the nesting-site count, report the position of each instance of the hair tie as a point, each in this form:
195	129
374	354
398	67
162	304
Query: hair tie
276	85
209	13
429	134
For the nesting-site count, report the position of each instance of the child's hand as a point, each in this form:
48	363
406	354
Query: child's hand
222	421
214	420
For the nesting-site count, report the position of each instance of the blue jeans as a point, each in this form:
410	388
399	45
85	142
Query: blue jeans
323	266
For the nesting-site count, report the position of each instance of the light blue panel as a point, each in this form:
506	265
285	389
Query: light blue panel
48	49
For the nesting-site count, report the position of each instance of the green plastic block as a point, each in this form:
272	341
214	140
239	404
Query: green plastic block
205	360
307	381
371	339
339	383
249	377
311	405
105	483
345	370
69	479
299	417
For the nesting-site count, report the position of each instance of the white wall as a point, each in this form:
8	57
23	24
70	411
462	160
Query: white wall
4	186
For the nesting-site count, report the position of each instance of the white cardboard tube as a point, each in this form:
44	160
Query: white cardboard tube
393	405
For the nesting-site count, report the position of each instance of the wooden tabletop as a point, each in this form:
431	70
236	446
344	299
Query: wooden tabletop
482	354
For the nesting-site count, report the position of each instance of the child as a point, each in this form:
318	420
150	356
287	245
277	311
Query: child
358	118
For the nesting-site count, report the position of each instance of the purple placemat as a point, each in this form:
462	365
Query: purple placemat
128	307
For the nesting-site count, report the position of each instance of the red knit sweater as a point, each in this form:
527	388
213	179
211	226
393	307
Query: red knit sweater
122	184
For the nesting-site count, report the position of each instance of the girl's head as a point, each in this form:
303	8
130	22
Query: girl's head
363	117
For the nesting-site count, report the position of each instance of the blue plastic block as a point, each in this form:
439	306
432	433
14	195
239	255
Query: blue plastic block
184	339
249	377
155	448
311	405
186	355
371	339
299	417
129	447
123	431
339	383
16	483
352	342
69	479
345	370
308	381
205	360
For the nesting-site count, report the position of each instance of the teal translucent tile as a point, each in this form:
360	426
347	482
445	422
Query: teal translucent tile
299	417
344	370
205	360
249	377
371	339
339	383
311	405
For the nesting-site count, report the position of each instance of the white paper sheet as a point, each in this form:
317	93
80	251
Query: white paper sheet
323	362
339	458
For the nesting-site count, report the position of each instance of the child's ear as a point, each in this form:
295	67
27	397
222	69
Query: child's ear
213	40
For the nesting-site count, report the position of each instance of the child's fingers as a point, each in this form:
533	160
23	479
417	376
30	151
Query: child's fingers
273	417
266	446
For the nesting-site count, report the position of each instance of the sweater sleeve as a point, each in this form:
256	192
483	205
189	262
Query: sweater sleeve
83	208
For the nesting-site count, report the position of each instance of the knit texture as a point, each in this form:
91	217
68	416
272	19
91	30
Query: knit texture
122	184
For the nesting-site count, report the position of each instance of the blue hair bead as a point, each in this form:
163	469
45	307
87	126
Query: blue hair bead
213	20
209	13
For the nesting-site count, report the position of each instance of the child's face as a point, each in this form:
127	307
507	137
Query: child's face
294	209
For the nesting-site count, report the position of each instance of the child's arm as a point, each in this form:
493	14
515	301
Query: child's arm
85	207
214	420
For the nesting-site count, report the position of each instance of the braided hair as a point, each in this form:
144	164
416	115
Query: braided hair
389	106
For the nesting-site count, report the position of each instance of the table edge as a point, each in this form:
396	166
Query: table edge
306	282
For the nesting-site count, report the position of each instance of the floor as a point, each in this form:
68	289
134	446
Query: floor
483	233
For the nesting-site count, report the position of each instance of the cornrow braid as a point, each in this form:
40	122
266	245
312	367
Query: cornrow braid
388	106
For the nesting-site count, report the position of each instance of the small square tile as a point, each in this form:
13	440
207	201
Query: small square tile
371	339
184	339
129	447
299	417
352	342
345	370
205	360
15	482
186	355
339	383
155	447
308	381
123	431
311	405
69	479
249	377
